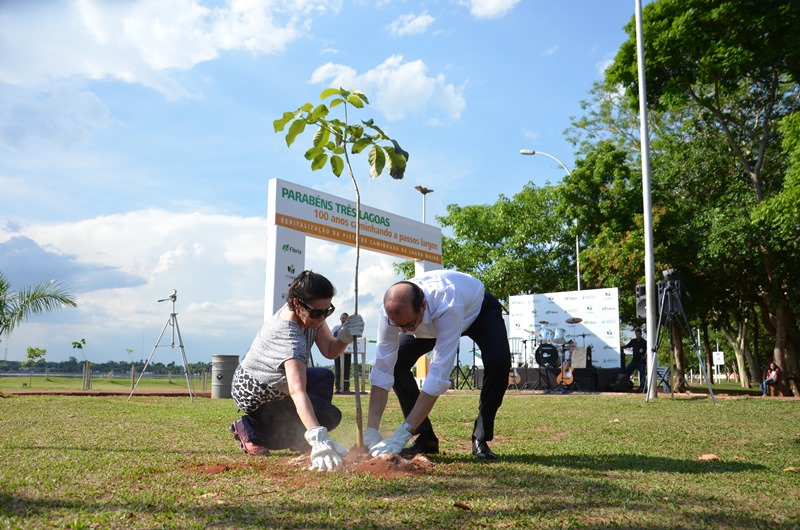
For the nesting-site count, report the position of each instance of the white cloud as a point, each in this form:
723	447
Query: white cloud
215	262
489	8
65	116
551	51
143	41
410	24
400	88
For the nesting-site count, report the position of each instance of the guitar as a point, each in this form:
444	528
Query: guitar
566	376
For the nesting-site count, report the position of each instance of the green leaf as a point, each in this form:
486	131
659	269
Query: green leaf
313	153
328	92
337	165
281	122
319	112
337	137
319	162
356	132
297	127
397	165
399	150
361	95
382	135
360	145
377	161
336	102
355	101
321	137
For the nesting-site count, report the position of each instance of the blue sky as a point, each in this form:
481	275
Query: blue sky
136	143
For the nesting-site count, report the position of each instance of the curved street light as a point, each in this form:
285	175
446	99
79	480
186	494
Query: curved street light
531	152
424	191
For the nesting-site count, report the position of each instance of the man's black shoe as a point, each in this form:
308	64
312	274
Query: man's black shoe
482	451
428	446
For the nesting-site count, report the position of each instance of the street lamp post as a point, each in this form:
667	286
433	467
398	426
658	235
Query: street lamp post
531	152
423	363
424	191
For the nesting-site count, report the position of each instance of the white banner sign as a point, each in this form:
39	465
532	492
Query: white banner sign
544	317
294	212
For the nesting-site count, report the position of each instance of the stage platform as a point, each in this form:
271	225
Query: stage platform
545	378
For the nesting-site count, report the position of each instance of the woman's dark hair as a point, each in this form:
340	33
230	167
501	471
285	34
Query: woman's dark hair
309	286
418	295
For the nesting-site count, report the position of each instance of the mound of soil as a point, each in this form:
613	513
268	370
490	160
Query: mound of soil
384	466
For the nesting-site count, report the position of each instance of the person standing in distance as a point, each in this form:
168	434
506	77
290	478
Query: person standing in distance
343	359
288	404
639	360
430	313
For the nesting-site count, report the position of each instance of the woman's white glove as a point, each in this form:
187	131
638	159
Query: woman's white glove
326	455
371	438
393	444
352	327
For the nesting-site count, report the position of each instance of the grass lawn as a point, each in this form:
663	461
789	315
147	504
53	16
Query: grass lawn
38	383
567	461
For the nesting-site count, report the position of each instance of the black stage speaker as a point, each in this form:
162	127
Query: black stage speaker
585	379
641	301
606	378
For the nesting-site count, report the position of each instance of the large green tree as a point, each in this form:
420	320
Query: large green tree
516	245
733	65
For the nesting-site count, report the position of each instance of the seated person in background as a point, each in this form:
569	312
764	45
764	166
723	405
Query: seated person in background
772	377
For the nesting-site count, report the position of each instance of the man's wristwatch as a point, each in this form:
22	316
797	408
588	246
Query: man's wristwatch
407	426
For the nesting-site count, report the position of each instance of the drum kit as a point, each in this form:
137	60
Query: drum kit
547	340
550	345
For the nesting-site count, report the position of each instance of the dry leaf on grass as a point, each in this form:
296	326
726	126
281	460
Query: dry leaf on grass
792	469
461	505
709	457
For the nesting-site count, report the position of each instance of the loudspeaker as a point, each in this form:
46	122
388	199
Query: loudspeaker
641	301
606	377
582	358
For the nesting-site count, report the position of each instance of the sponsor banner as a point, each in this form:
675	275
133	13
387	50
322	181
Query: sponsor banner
286	251
543	317
329	217
347	237
294	212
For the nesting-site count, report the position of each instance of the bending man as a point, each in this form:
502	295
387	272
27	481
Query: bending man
430	313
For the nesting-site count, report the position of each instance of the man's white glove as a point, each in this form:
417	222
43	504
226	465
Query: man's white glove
326	455
352	327
371	438
393	444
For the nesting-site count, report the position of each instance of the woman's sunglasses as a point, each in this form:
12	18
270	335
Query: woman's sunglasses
317	313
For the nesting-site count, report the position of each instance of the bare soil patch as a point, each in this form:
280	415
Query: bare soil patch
385	466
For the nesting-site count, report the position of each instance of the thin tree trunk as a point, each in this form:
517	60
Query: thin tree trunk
676	341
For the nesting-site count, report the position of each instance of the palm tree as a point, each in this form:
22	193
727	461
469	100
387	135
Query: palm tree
16	307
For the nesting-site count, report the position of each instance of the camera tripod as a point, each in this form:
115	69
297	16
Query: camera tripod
171	321
670	308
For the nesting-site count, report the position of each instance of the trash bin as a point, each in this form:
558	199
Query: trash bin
222	368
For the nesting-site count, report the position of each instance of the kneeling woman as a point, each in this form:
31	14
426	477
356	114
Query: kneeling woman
285	402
